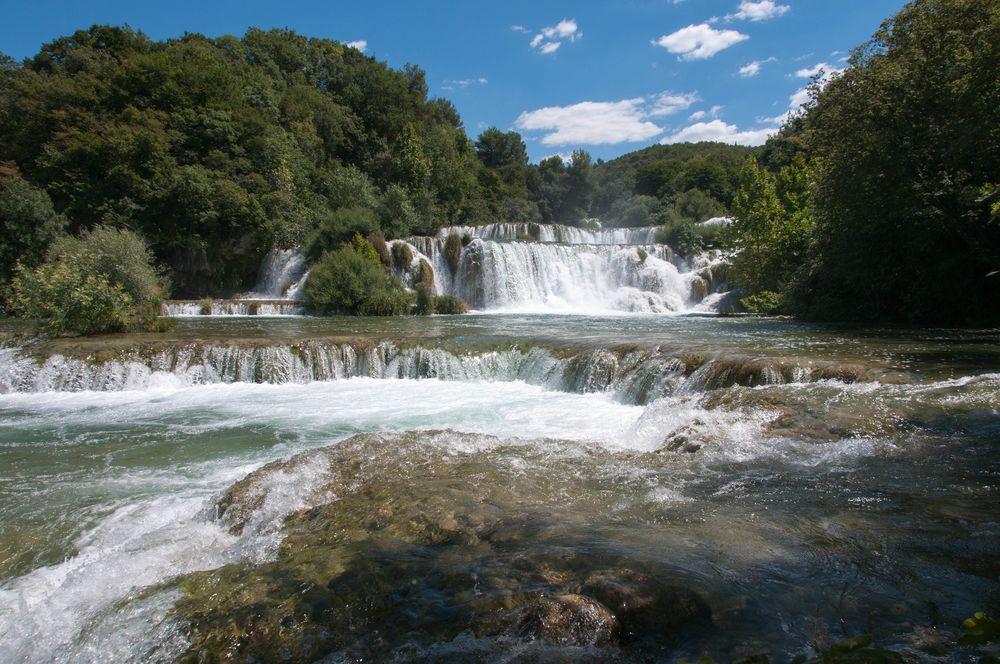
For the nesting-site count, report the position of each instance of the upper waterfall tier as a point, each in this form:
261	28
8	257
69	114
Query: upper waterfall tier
554	233
574	278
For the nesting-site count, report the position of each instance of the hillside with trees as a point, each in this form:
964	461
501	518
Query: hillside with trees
880	202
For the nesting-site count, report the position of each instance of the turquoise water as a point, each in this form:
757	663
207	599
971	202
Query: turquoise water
800	511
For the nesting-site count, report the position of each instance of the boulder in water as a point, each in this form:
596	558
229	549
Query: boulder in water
645	605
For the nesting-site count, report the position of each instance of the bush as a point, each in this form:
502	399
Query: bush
102	281
28	224
453	251
334	228
449	304
402	256
348	281
377	240
425	301
682	238
425	275
764	302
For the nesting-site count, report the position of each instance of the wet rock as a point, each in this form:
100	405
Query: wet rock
699	289
645	605
928	640
571	620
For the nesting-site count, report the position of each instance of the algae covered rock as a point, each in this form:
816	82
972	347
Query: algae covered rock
398	544
646	605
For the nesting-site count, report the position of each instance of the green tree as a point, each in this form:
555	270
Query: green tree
101	281
352	282
28	223
906	140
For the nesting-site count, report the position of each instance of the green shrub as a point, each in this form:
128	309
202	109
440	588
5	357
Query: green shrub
453	251
425	274
402	256
449	304
466	239
334	228
102	281
377	240
425	301
641	253
682	238
764	302
349	281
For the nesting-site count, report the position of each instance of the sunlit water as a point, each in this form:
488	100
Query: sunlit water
802	512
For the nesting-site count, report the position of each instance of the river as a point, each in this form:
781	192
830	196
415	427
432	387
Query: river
414	489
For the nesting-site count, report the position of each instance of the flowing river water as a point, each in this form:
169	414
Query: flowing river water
497	488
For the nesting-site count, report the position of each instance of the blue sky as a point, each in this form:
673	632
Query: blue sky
607	77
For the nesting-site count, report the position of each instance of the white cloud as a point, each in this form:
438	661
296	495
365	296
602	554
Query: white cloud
603	123
668	103
719	131
798	98
820	68
699	42
591	123
360	44
752	69
463	83
548	40
710	113
758	11
520	28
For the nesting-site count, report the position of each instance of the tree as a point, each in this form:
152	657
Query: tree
102	281
28	223
351	281
906	140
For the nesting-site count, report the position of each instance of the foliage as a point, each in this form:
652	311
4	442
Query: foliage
351	281
425	274
28	223
449	304
906	140
219	149
762	302
453	251
402	255
978	629
102	281
424	305
771	227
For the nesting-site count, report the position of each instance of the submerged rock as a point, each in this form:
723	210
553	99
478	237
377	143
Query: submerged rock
404	541
647	606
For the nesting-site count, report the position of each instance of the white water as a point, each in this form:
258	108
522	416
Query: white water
282	275
555	233
562	278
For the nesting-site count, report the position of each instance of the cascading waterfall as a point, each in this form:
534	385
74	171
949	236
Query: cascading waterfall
281	276
636	376
564	277
561	269
554	233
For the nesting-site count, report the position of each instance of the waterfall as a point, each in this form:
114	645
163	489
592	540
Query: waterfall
633	375
554	233
281	276
564	277
516	267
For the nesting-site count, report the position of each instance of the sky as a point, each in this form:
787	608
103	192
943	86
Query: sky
606	77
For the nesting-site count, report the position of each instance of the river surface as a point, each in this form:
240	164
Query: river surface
410	489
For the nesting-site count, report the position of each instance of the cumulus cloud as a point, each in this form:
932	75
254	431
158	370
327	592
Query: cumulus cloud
699	42
668	103
591	123
758	11
753	68
360	44
604	123
548	40
710	113
719	131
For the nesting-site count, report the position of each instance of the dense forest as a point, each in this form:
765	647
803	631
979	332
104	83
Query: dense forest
877	202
